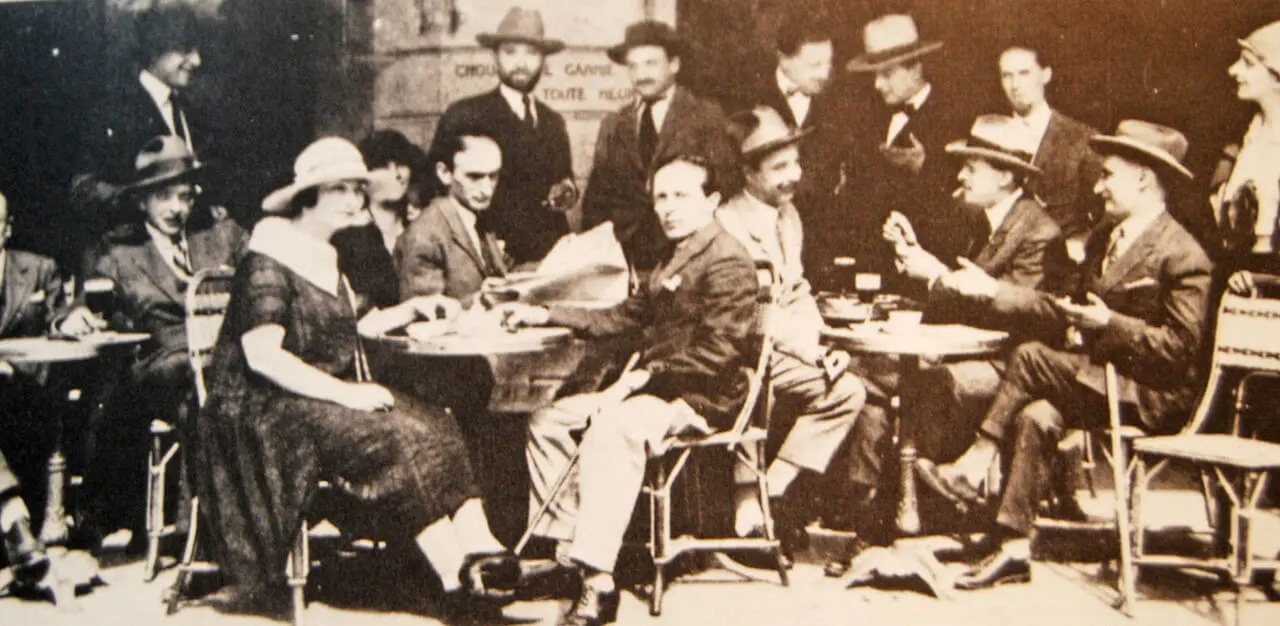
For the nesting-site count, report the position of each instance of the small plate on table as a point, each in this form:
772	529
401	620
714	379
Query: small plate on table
843	310
45	350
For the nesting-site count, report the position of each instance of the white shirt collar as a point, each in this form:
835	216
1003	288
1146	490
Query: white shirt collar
660	107
998	212
468	218
799	101
314	260
1037	121
1131	229
917	101
168	247
515	100
156	88
785	84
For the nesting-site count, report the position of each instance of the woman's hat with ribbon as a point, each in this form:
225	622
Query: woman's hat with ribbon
326	160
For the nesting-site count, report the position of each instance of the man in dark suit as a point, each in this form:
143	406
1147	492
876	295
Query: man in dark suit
1011	238
149	266
448	250
664	120
536	186
1145	310
694	314
146	104
896	159
1068	166
797	88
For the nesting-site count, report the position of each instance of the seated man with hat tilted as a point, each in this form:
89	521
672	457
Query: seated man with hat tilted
818	399
148	267
1147	283
1010	237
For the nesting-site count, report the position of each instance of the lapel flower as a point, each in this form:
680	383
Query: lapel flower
671	283
37	297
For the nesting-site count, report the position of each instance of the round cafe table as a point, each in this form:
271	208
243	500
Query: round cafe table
909	342
45	350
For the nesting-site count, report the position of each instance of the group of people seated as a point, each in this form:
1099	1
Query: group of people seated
355	246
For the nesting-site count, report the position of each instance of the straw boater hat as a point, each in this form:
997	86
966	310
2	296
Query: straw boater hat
326	160
647	33
762	130
1147	143
1264	44
524	26
1000	140
163	159
890	40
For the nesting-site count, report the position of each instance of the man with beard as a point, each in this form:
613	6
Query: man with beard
1061	144
664	120
536	186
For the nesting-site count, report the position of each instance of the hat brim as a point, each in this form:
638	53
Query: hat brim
618	53
774	144
191	173
1125	147
962	149
894	56
279	200
493	40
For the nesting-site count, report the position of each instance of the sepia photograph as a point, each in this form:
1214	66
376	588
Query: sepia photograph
668	312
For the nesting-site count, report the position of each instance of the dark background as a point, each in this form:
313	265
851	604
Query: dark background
1162	60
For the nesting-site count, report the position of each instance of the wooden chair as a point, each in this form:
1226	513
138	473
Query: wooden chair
206	304
1233	463
745	442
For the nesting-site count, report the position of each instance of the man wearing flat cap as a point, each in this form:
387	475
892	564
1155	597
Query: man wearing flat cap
896	161
1147	282
147	268
822	399
536	186
665	119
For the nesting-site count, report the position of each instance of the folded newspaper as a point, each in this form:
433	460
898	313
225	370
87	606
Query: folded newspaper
586	268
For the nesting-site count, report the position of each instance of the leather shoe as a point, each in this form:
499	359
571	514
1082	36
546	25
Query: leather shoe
1000	568
954	488
835	568
592	608
27	557
494	574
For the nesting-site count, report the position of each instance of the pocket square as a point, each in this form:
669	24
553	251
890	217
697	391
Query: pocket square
37	297
1145	281
672	283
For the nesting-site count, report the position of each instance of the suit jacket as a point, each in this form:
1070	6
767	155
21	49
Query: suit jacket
1019	252
877	187
1071	168
1158	292
435	256
32	292
799	324
532	161
150	296
695	312
617	189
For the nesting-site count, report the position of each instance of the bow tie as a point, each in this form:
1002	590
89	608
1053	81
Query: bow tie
791	91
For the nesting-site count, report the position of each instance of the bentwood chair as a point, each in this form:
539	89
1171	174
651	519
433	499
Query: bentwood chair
1232	464
206	304
744	442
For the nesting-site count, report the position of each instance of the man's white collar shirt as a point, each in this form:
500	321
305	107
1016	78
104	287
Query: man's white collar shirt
169	249
797	100
468	218
162	95
998	212
1037	123
900	118
515	100
660	108
1127	232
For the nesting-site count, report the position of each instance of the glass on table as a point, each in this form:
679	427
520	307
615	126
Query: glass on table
99	296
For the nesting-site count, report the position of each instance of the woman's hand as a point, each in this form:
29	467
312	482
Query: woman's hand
437	307
366	397
1242	284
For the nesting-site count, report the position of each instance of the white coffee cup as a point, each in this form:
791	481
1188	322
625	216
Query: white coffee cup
905	320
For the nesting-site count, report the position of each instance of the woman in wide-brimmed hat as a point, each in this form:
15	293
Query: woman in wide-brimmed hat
291	403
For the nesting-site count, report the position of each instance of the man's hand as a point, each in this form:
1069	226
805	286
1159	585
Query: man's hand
915	262
970	280
436	307
518	315
897	230
910	158
1091	316
6	369
81	321
1242	284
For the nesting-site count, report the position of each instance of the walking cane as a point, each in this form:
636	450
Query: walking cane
1120	470
564	476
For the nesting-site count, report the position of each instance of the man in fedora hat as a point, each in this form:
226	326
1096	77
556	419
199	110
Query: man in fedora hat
896	159
1011	238
1148	289
1061	149
536	187
664	119
148	266
806	374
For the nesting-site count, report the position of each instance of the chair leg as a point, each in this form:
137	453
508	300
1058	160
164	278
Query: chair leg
659	533
299	566
155	506
762	486
188	557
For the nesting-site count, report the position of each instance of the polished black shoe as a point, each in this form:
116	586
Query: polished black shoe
495	574
272	603
592	608
27	557
1001	568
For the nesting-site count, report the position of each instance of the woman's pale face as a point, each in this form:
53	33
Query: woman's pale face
400	176
1253	79
341	204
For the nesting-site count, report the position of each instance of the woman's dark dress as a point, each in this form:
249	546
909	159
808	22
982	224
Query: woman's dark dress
262	449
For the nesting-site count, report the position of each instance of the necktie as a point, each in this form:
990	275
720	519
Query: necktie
981	230
648	134
529	122
181	258
175	113
490	253
1113	249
